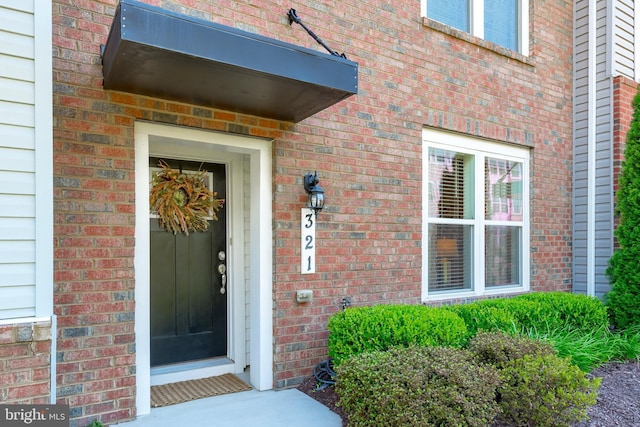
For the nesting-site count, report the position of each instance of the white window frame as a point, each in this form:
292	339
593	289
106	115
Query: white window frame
480	149
476	24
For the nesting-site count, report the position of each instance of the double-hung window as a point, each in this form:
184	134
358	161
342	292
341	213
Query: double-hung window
503	22
475	216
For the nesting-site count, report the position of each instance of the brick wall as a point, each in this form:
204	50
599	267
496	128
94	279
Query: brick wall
624	90
25	359
367	151
94	212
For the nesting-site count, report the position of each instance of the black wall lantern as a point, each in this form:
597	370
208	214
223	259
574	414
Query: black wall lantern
315	201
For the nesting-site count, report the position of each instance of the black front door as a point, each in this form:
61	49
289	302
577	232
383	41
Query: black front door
188	284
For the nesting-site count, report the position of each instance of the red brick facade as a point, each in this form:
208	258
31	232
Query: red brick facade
25	363
367	151
624	90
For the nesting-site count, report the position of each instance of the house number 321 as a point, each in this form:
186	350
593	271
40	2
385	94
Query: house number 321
308	243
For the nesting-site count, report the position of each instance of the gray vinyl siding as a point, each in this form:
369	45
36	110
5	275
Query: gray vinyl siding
603	186
603	218
614	56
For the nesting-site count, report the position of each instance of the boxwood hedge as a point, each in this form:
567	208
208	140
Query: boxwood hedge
364	329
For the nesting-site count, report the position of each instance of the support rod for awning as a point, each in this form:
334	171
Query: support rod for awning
293	17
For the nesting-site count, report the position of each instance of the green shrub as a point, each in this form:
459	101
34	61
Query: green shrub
544	390
364	329
498	348
574	311
623	300
417	386
479	316
538	388
524	313
553	310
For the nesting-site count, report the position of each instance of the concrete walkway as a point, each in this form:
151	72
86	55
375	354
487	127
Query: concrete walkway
283	408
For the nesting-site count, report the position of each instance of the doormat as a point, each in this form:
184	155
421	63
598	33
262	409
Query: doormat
184	391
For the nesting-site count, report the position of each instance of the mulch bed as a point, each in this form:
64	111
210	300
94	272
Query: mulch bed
618	401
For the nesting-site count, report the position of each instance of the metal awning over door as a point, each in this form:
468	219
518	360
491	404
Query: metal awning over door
155	52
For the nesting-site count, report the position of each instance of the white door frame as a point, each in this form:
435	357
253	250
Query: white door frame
153	139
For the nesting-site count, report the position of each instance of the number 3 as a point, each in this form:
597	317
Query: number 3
309	223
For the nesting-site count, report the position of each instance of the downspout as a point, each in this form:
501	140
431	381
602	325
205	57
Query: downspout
53	355
612	72
591	147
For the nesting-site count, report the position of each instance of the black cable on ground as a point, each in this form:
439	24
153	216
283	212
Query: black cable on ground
324	374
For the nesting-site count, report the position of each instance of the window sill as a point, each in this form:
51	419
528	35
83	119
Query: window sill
470	296
453	32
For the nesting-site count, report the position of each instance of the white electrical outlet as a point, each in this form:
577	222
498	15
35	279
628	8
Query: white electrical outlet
305	295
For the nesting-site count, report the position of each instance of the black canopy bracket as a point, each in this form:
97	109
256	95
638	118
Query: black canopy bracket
293	17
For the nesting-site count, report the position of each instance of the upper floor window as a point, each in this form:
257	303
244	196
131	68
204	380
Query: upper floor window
503	22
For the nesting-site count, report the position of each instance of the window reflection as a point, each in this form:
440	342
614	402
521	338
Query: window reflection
502	256
501	23
450	257
454	13
450	184
503	190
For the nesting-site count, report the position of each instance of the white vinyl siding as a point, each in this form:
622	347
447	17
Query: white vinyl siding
26	223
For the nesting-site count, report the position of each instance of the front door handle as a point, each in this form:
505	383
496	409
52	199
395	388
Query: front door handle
222	269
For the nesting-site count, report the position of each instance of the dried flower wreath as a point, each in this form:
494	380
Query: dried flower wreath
183	202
